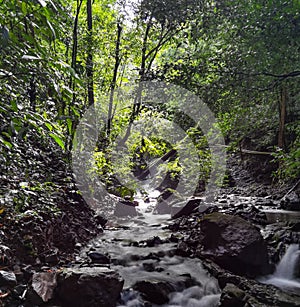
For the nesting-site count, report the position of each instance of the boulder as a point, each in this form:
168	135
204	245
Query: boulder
44	284
234	244
237	289
186	208
232	296
193	205
125	209
154	291
162	207
98	257
89	286
291	202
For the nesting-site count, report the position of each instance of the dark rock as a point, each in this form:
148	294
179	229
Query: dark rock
52	258
169	182
98	257
127	201
93	287
7	279
234	244
165	194
100	220
155	291
291	202
162	207
173	238
258	295
232	296
296	227
149	266
153	241
18	272
253	214
6	255
44	284
183	249
159	269
123	209
188	207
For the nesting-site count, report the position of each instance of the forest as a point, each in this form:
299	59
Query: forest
189	106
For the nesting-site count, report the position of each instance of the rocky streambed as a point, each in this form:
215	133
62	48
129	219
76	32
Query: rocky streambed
211	254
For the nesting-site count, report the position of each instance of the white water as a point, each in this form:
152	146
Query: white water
284	275
118	244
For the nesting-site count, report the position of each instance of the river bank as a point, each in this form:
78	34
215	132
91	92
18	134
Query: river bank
148	259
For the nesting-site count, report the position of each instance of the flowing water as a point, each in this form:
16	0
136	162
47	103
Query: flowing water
284	275
278	215
137	260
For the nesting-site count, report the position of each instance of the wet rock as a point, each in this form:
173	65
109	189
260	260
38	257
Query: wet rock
153	241
162	207
149	266
100	220
123	209
154	291
44	284
258	294
291	202
187	208
251	213
99	258
183	249
232	296
7	279
93	287
234	244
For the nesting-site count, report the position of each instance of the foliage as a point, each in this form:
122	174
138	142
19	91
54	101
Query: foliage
238	56
289	162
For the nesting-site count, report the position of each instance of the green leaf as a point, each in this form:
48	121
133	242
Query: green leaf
14	106
58	140
75	111
6	143
69	123
24	8
49	126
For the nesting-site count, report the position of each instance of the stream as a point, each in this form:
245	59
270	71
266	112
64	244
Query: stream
140	251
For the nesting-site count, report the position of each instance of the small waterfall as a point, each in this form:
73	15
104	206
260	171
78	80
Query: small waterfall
287	265
284	275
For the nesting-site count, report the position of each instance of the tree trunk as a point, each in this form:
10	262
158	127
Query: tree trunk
89	61
282	116
114	79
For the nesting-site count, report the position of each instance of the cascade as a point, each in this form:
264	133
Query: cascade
287	265
284	275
